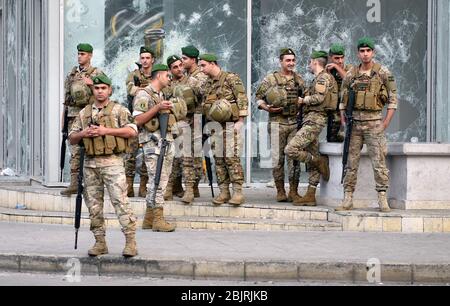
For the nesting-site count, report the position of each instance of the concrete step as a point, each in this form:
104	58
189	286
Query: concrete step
184	222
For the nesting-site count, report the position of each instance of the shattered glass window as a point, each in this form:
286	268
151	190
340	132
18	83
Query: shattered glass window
399	28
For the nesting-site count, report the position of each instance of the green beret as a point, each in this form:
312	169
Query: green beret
85	48
147	50
337	49
172	59
287	51
190	51
160	67
208	58
366	42
102	79
319	54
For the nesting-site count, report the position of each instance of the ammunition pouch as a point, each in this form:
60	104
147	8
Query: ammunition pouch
106	145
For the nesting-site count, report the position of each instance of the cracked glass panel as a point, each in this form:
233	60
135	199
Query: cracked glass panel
399	28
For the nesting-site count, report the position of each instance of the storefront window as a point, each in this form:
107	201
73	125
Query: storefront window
399	28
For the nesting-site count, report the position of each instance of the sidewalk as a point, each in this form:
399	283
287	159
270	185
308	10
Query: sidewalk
332	256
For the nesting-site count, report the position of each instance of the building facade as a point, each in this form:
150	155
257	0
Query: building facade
38	49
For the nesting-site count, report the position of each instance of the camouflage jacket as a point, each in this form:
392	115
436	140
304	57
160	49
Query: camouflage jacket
123	119
389	85
233	91
144	101
74	76
270	81
338	77
322	85
143	80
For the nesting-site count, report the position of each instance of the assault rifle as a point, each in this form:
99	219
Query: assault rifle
164	144
207	158
65	134
79	201
349	130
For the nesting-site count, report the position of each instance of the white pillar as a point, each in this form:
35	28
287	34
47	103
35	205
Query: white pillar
55	81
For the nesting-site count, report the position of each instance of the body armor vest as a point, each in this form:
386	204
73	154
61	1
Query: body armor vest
293	93
217	94
371	93
106	145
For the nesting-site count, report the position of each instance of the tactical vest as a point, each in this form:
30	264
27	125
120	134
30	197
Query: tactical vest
142	78
293	93
331	100
370	92
106	145
216	94
81	94
153	125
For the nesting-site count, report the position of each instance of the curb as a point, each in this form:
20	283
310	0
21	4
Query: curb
226	270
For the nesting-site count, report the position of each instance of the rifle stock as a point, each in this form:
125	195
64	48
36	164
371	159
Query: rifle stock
348	132
79	201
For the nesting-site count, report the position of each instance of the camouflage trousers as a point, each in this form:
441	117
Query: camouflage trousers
131	160
227	149
305	145
334	131
95	180
372	134
187	165
281	135
151	155
75	153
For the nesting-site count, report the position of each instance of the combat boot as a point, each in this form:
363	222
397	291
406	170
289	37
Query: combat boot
383	202
130	249
177	187
168	195
309	199
196	190
348	202
73	187
100	247
188	195
224	196
148	219
293	192
143	187
281	192
159	223
322	164
130	183
238	196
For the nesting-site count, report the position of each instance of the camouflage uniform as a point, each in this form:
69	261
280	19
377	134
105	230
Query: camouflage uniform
334	133
109	171
368	125
146	100
130	160
287	122
74	108
227	156
305	145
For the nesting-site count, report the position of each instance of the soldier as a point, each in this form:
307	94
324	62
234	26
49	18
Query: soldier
148	104
136	80
104	128
338	70
77	95
226	103
322	97
278	95
178	76
194	87
374	87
